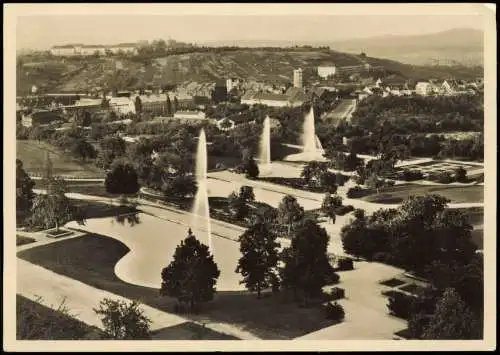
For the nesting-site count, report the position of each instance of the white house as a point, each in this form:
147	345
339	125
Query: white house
272	100
65	50
424	88
326	71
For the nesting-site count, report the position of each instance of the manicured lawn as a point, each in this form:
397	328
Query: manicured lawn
33	155
91	259
38	322
457	194
81	187
21	240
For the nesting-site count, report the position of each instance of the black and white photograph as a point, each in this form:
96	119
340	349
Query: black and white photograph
224	175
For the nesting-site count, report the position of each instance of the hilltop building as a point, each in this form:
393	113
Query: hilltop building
327	71
68	50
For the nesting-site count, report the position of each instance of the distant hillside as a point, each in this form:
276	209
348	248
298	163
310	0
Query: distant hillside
461	46
265	65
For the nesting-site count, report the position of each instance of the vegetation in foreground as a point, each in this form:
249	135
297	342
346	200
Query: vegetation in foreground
38	322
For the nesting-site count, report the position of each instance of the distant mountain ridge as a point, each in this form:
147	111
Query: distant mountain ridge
459	46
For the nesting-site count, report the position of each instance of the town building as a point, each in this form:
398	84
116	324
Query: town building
65	50
424	88
127	48
122	105
293	97
297	78
327	71
449	87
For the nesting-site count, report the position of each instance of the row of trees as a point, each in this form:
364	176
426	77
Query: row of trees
304	269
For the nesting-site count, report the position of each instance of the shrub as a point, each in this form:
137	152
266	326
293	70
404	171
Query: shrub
345	264
334	311
443	177
337	293
400	305
332	277
342	210
382	257
411	175
356	192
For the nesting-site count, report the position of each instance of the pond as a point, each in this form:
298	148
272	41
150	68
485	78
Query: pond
152	241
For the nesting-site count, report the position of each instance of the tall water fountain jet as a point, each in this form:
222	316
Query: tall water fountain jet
309	134
201	209
265	147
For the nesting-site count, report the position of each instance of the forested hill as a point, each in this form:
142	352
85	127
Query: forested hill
271	65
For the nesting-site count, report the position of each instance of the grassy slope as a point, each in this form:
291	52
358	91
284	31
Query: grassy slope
38	322
33	155
260	65
91	259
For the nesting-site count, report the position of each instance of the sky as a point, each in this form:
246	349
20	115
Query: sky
44	31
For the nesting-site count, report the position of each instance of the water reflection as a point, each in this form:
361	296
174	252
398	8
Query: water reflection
130	219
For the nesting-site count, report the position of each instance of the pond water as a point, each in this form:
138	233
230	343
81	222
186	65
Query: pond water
152	242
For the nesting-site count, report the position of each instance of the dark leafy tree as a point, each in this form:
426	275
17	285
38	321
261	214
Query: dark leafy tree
306	261
138	105
290	212
111	148
330	203
82	149
176	105
461	174
259	258
251	168
192	274
53	208
180	186
122	179
24	190
237	206
168	109
246	194
123	321
452	320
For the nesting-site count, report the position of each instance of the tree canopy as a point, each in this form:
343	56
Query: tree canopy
192	274
259	259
